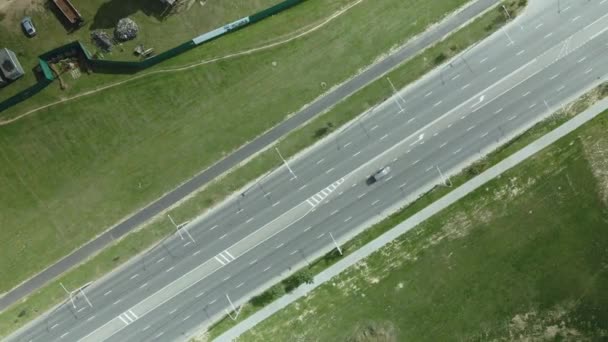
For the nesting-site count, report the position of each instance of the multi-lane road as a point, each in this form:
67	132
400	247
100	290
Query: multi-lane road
425	132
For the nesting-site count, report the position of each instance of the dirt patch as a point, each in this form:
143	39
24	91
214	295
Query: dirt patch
595	148
12	11
550	325
374	332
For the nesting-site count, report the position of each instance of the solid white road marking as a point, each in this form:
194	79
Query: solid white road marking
230	255
133	313
219	260
123	320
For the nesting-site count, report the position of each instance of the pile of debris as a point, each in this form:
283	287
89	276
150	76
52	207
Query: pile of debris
126	29
102	40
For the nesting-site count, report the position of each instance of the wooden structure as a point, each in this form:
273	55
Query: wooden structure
70	12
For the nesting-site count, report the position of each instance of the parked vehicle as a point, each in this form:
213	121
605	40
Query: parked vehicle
28	26
383	172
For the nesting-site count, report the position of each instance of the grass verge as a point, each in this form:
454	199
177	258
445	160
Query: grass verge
134	243
74	169
524	257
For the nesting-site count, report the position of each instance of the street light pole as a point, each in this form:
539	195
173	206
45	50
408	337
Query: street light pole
335	243
69	294
401	110
286	164
176	227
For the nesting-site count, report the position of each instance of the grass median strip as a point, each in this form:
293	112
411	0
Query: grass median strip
523	257
134	243
77	168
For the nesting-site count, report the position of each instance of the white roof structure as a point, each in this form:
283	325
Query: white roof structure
9	65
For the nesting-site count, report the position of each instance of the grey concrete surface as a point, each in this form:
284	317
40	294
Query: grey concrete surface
415	220
262	142
452	116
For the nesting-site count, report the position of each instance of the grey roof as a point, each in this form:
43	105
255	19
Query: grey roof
9	65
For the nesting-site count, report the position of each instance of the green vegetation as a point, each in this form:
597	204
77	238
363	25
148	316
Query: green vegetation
108	178
159	29
75	169
525	257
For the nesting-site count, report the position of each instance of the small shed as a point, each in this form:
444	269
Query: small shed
9	65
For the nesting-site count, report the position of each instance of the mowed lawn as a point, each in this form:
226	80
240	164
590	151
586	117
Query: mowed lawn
160	29
523	258
71	171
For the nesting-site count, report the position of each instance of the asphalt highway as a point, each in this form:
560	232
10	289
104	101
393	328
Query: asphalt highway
323	103
425	133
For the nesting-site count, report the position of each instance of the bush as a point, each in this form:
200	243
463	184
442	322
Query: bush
299	278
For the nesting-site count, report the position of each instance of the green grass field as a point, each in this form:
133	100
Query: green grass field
158	31
73	170
525	258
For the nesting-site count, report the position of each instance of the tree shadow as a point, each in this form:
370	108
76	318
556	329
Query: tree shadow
113	10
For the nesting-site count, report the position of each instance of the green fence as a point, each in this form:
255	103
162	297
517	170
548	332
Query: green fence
126	67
